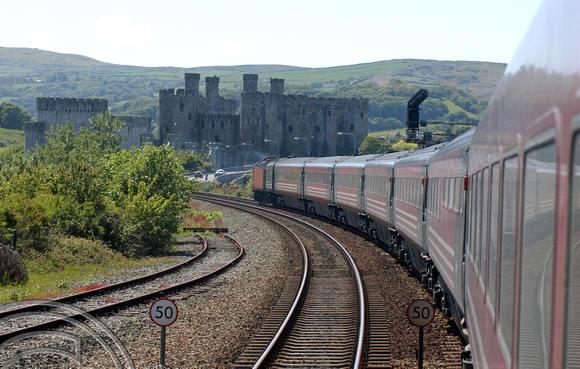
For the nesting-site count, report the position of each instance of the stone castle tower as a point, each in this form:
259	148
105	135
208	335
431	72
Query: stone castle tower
272	123
280	124
56	111
187	118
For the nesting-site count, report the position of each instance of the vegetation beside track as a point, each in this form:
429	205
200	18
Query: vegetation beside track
72	264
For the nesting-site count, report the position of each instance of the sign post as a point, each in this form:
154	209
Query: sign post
420	313
163	312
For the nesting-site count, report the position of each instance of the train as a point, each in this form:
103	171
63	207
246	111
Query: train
489	221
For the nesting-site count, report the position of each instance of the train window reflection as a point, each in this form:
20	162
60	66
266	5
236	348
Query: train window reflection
573	318
537	257
484	230
508	248
493	233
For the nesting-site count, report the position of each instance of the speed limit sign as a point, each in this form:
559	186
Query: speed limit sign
420	312
163	312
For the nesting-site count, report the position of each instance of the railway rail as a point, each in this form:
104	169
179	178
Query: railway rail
121	295
330	328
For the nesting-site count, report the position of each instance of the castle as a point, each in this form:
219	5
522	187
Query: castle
56	111
268	124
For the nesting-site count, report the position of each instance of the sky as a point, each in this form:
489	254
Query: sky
304	33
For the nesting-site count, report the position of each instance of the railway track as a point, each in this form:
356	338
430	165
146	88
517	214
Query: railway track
212	260
322	319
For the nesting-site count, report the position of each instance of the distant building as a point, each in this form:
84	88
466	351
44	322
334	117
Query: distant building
58	111
269	124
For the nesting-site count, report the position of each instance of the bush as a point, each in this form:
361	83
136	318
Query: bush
12	269
62	251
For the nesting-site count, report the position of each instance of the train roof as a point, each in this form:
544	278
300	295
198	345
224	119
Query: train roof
292	162
421	155
326	161
461	140
349	161
264	162
385	159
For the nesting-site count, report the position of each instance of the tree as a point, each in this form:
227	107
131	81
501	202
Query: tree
380	124
149	184
13	117
373	145
433	109
404	146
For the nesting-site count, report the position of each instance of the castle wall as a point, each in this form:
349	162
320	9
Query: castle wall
58	111
34	134
55	111
279	118
135	128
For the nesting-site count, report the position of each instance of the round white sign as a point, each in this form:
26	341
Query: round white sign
420	312
163	312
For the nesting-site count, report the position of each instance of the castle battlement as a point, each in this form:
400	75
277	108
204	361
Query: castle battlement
55	111
167	92
71	104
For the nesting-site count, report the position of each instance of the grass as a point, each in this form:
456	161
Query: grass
46	284
228	189
11	136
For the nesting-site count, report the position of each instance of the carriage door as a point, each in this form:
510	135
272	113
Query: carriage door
422	216
391	194
360	198
301	187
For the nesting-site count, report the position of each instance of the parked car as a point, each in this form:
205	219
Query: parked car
198	174
220	172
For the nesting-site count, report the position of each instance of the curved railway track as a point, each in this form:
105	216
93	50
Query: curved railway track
193	271
321	318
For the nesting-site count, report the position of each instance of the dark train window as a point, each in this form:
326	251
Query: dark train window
484	223
538	213
493	233
458	195
478	191
573	311
508	248
471	221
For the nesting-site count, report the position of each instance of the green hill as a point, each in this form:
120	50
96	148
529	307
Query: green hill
26	74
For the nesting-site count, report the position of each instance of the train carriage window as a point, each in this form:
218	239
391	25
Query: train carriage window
493	233
477	191
470	227
508	248
437	196
539	212
573	311
451	193
458	192
445	203
484	223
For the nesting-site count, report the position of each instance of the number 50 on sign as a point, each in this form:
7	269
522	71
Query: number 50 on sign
163	312
420	312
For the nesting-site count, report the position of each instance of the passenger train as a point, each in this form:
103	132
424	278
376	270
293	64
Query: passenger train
489	221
